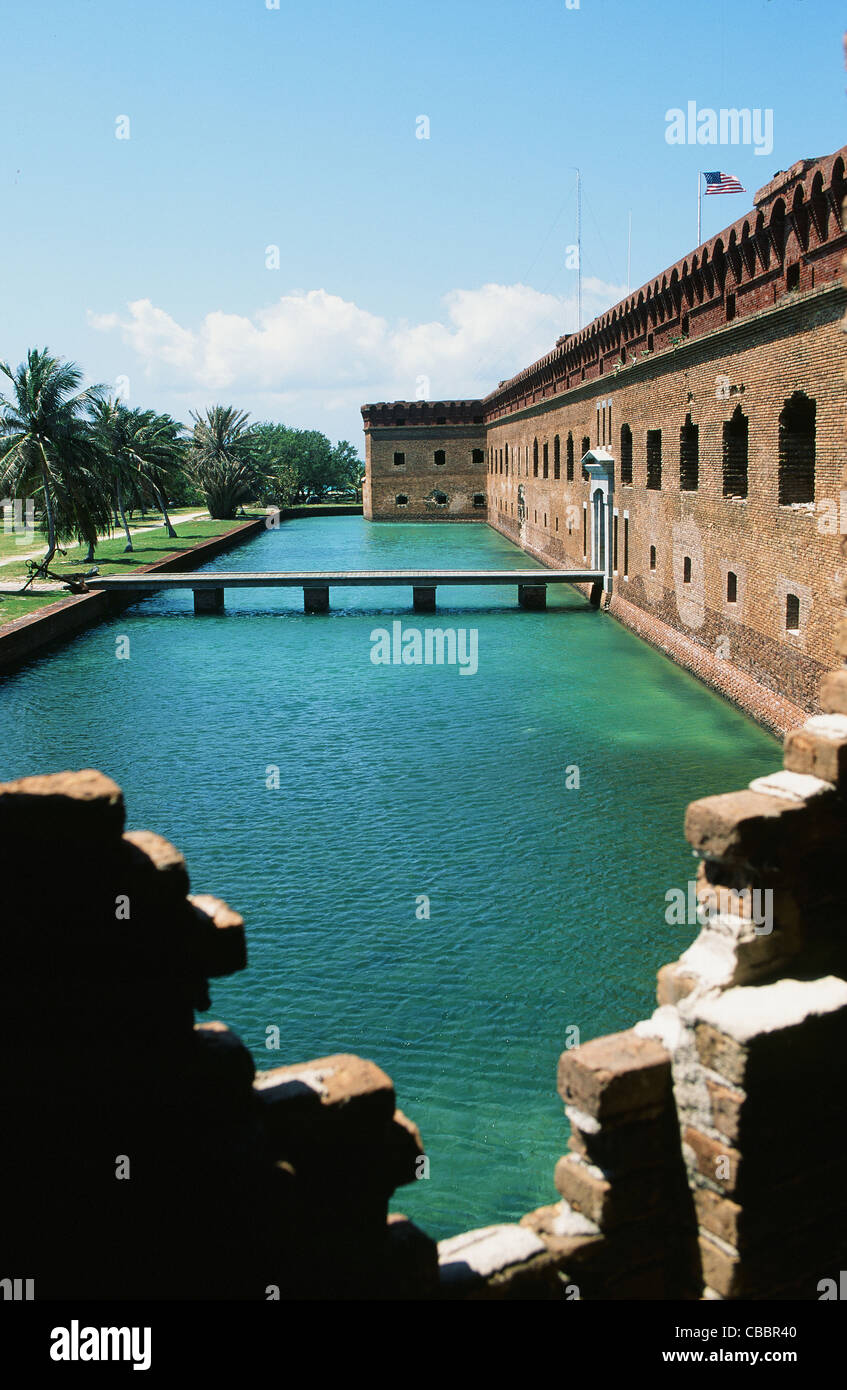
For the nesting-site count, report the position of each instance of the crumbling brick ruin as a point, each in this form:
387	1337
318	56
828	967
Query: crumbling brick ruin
129	1131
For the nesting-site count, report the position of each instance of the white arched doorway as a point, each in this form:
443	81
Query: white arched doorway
599	464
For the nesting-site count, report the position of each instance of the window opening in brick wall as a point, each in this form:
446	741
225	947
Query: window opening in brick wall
735	453
626	456
689	456
654	459
797	450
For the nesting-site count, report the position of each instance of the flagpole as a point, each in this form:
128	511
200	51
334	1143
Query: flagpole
579	249
699	176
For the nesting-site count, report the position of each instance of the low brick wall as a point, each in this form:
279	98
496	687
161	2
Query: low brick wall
773	711
27	636
337	509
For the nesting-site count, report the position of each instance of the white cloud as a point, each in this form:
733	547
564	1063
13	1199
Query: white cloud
313	354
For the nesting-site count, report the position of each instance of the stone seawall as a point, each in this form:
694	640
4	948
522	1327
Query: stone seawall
59	621
335	509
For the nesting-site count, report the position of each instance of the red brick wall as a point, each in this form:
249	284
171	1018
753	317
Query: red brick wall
772	550
420	430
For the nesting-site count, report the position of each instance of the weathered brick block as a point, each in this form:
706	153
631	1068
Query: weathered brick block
167	863
313	1108
722	1271
583	1189
620	1149
570	1235
753	1230
220	942
610	1202
498	1262
751	1035
718	1215
715	1160
819	748
68	807
616	1076
727	1106
747	827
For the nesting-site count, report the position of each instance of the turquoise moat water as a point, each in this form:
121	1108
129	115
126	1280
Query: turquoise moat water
546	900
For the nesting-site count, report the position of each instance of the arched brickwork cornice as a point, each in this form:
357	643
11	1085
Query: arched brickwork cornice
797	220
387	414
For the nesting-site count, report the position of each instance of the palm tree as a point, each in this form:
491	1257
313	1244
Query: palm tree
158	451
142	449
109	426
49	451
222	462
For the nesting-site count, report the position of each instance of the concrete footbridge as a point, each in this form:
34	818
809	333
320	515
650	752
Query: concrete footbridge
209	588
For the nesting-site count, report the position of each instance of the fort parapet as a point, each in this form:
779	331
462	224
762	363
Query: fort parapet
425	459
688	442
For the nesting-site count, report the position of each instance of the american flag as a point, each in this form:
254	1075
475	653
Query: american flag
717	182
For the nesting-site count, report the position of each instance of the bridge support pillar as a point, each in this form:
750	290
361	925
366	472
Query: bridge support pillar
208	600
423	598
596	594
532	595
316	600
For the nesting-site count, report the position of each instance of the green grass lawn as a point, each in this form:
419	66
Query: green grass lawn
9	541
110	558
12	607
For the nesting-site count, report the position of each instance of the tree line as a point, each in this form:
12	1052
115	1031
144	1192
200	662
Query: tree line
88	459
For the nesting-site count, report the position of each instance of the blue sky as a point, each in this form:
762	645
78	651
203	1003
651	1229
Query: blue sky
406	266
